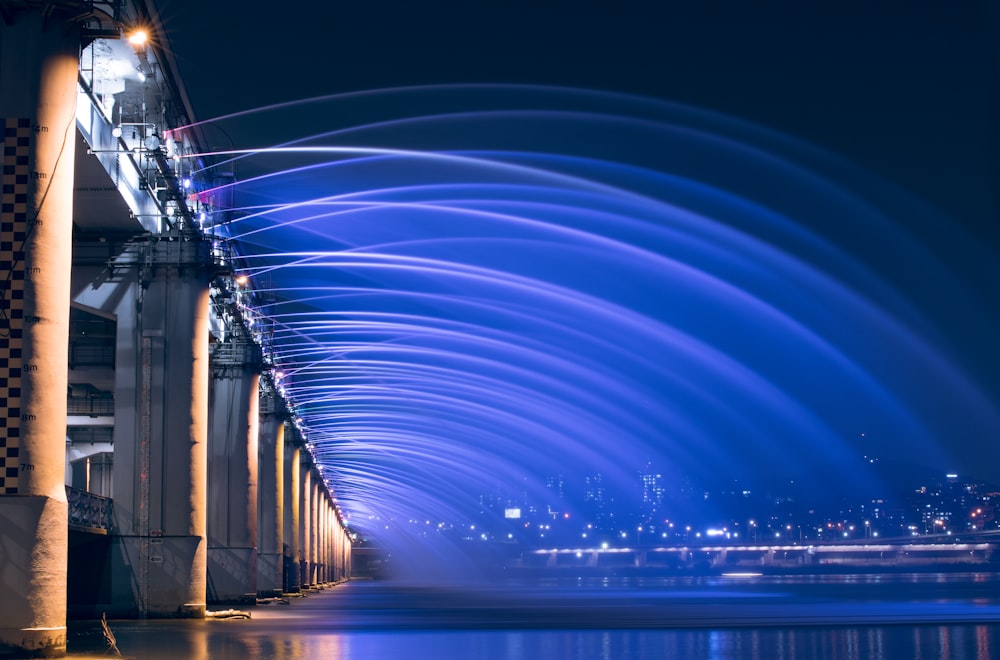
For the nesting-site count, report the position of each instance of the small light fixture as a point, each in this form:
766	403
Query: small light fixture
116	131
138	37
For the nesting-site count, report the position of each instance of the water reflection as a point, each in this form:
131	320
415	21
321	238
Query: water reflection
781	619
852	643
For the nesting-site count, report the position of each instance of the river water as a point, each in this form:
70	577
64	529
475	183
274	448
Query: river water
842	617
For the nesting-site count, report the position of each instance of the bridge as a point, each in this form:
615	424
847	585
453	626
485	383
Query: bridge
908	555
150	464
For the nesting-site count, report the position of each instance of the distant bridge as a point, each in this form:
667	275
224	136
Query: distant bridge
775	557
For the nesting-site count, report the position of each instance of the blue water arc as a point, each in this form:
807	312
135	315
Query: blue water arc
471	290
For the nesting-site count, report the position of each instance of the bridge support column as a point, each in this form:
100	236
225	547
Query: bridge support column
271	498
343	555
317	531
290	519
343	552
335	542
38	88
330	526
232	473
161	432
315	500
342	545
324	538
320	505
305	528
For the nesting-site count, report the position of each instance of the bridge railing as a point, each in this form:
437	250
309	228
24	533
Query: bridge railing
89	511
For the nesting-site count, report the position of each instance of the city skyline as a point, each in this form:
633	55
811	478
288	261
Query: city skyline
920	503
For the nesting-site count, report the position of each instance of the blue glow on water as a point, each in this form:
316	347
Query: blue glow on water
843	617
474	288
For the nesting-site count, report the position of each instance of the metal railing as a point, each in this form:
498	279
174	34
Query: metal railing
101	406
91	434
88	354
88	511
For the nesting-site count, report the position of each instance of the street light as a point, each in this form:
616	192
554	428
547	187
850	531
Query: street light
138	37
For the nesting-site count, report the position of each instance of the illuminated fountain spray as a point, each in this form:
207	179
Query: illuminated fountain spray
517	288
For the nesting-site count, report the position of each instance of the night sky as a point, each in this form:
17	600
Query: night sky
909	94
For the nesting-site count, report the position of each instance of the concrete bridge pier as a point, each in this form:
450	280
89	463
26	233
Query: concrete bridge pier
315	547
335	545
341	547
305	528
323	556
38	74
319	498
161	431
232	472
290	520
339	544
327	535
317	553
271	498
